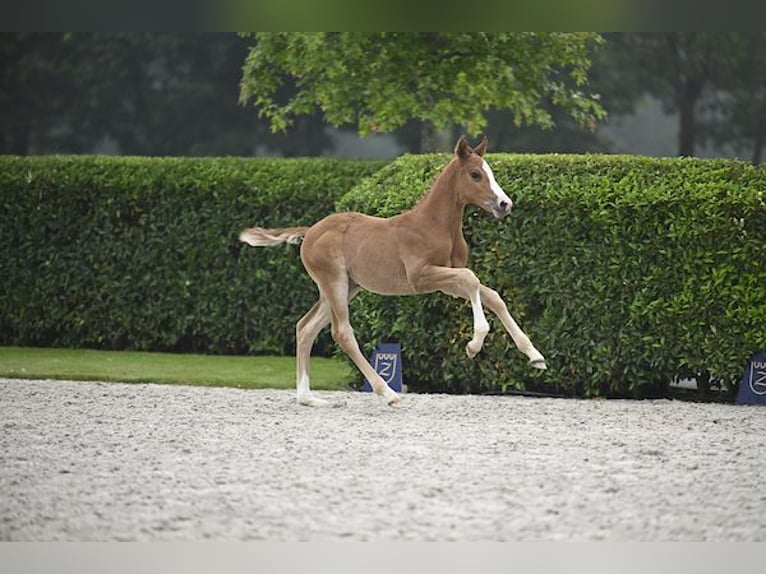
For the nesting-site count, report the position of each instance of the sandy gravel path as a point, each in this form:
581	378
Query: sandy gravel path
105	461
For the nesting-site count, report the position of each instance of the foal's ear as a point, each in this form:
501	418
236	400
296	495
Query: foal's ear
481	148
462	149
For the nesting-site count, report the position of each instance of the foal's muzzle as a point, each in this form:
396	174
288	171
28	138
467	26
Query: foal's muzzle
501	208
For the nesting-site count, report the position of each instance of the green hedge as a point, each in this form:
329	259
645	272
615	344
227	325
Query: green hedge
140	253
625	271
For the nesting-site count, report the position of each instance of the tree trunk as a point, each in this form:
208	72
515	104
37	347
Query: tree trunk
758	145
703	384
19	140
688	83
687	123
427	138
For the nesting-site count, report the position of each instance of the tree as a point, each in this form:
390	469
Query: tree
32	93
378	82
739	109
678	68
147	93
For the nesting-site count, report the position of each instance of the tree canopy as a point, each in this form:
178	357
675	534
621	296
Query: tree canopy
379	81
715	82
145	93
177	93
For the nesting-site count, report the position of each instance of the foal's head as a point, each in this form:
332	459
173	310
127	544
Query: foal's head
475	181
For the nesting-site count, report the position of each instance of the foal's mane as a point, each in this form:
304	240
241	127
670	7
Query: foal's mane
442	171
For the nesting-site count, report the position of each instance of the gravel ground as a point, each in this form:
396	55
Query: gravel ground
107	461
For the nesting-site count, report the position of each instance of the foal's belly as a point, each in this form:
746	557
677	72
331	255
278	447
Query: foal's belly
372	257
382	277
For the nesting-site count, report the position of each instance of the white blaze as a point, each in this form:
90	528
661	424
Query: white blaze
494	186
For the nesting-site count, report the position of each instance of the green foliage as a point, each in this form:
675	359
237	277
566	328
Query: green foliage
624	271
146	93
138	253
722	75
380	81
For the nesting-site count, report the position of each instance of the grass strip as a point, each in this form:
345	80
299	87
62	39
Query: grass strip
141	367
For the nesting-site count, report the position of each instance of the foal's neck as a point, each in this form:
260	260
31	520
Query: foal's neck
442	206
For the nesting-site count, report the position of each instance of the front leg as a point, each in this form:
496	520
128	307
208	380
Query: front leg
460	282
495	303
480	325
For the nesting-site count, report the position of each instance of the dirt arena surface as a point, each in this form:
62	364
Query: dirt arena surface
111	462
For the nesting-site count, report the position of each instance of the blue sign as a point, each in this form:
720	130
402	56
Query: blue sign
752	386
387	362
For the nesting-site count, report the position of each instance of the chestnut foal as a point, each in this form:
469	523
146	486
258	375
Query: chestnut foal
418	251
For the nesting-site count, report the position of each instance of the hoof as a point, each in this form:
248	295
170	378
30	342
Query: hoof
395	402
539	364
312	401
472	349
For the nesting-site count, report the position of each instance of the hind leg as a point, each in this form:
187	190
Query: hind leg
337	297
306	332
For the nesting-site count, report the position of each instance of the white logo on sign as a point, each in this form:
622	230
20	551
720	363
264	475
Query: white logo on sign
758	377
385	365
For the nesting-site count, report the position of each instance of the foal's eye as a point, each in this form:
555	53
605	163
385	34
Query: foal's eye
475	175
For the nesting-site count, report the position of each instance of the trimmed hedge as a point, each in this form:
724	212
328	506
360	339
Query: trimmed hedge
625	271
142	253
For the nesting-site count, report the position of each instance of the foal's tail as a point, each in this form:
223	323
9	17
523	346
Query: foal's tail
259	237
